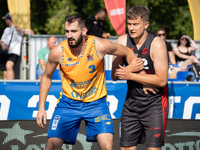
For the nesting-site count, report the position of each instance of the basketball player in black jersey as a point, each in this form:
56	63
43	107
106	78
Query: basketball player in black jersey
144	114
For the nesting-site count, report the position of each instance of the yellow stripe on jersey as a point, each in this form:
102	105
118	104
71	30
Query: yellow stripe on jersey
83	77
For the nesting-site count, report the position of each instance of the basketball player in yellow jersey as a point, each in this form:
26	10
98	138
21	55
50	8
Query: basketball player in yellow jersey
83	97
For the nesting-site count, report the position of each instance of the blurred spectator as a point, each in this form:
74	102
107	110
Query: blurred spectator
95	24
162	34
183	52
11	41
43	55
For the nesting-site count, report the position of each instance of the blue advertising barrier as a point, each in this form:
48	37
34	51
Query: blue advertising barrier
19	99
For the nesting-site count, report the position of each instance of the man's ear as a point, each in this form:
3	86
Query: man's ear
84	31
146	25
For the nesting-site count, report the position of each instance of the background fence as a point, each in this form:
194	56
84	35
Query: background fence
30	50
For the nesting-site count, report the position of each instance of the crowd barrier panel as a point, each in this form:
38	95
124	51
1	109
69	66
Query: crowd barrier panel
19	99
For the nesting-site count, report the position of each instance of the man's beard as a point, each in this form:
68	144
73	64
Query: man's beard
77	43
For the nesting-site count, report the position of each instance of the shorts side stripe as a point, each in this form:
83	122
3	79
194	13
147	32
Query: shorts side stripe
165	109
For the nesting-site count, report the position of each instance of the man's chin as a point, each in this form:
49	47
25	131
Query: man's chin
133	36
72	45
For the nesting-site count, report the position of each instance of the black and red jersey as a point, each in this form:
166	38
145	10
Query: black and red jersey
135	90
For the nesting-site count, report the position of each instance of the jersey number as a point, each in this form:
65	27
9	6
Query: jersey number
92	68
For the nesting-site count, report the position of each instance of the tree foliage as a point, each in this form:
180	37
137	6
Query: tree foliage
47	16
173	15
3	11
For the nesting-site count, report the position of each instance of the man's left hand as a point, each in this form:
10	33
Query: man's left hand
153	90
123	73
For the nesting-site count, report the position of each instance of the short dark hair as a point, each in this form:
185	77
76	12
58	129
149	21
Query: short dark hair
102	10
161	29
76	17
138	11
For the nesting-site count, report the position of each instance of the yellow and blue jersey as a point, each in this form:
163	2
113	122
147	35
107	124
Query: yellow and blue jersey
82	77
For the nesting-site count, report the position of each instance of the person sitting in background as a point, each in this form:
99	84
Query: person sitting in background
162	34
183	52
43	55
95	24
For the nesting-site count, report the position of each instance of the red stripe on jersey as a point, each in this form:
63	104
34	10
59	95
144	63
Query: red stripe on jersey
165	109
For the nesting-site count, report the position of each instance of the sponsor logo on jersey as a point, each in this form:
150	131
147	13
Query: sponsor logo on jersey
145	50
69	59
84	95
72	64
94	22
90	57
158	135
148	71
84	84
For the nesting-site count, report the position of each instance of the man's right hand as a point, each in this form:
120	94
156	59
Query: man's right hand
4	47
41	115
136	65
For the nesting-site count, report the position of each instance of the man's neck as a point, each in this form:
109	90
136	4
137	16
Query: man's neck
48	47
141	39
79	49
96	17
10	24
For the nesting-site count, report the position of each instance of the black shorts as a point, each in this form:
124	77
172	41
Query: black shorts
13	57
144	121
8	57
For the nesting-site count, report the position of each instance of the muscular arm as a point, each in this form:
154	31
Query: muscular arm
25	31
159	57
54	59
118	60
105	46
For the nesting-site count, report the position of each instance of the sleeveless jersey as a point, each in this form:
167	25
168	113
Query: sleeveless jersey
135	90
83	77
178	59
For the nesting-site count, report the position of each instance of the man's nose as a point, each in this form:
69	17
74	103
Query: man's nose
69	34
131	27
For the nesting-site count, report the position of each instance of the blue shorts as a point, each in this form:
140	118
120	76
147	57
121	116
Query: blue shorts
68	114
